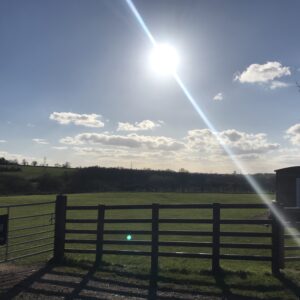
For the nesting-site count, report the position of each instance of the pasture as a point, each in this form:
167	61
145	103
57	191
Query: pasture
239	278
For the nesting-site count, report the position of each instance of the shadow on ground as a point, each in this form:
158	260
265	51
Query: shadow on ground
83	282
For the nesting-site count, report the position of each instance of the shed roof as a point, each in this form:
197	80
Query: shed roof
295	169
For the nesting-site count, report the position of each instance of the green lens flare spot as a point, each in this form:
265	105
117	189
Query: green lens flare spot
128	237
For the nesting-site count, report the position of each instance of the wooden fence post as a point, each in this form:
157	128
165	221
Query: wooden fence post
216	239
154	252
60	226
277	243
100	233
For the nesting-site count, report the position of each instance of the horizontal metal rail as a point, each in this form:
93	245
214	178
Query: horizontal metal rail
31	216
30	227
31	241
26	204
30	248
27	255
30	234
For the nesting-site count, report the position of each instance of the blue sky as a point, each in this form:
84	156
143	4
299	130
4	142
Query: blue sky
76	85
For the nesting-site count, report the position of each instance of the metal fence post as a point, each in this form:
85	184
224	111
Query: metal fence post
154	252
7	238
100	232
60	226
216	239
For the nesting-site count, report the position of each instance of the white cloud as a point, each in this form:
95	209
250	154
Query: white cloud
265	74
138	126
240	142
293	134
40	141
59	147
3	141
278	84
87	120
132	140
218	97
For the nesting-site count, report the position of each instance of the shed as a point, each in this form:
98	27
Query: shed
288	186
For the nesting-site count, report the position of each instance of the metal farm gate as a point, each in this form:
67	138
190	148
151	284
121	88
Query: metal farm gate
26	230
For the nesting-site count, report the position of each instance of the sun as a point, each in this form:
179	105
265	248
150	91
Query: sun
164	59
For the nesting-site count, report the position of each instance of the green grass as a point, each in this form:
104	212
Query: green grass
253	279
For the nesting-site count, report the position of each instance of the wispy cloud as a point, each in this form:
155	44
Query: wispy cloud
138	126
3	141
40	141
265	74
204	140
87	120
218	97
293	134
59	147
132	140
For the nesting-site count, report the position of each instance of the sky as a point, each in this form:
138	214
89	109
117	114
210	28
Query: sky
76	84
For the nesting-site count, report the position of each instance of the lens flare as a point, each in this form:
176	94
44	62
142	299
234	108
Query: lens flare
129	237
256	187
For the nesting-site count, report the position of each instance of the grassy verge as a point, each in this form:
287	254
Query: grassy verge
239	278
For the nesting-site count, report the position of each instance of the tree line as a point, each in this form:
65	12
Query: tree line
100	179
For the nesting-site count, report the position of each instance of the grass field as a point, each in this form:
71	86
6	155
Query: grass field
252	279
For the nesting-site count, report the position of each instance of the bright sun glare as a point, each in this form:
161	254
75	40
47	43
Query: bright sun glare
164	59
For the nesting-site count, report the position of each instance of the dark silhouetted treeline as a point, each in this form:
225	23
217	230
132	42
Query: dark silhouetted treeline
98	179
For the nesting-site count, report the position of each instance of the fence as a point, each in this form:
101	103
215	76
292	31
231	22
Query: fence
31	233
28	233
275	246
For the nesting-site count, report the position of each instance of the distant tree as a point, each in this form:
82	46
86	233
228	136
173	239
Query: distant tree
34	163
24	162
3	161
57	165
66	165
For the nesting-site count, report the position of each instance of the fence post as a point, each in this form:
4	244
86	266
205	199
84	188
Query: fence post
100	232
154	251
277	243
216	239
60	226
